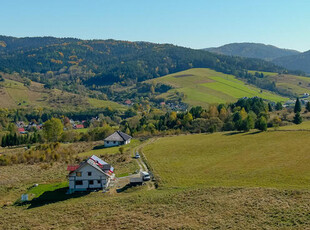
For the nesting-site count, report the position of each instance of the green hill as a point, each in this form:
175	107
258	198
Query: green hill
15	94
205	86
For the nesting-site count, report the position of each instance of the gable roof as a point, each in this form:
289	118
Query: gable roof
92	163
118	136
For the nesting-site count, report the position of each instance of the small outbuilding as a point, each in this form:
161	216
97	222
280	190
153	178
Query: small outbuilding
116	139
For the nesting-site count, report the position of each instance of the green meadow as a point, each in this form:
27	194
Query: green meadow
203	86
271	160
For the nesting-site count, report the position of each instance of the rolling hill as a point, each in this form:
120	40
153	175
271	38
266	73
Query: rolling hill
295	62
15	94
288	83
253	50
205	86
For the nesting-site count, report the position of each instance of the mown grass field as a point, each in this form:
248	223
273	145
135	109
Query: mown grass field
204	86
303	126
272	159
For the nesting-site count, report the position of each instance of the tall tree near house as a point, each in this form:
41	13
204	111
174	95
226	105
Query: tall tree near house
297	108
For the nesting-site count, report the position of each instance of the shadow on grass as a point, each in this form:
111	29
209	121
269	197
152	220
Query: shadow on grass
232	133
99	147
50	197
127	186
253	133
241	132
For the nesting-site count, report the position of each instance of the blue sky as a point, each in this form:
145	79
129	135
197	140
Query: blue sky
190	23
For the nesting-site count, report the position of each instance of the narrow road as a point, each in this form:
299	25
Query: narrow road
138	149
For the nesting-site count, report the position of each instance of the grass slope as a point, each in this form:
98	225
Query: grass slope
14	94
291	83
272	159
204	86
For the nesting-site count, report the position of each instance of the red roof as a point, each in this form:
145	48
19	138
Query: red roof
128	102
21	130
72	168
79	126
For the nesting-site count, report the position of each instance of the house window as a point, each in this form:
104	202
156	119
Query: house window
91	182
107	142
114	142
78	182
89	173
79	174
98	181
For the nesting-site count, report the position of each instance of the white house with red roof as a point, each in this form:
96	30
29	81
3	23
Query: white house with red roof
91	174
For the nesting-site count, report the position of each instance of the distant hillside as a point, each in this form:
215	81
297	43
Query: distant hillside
205	86
14	94
9	44
295	62
93	63
253	50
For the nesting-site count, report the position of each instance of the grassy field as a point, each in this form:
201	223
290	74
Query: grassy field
272	159
214	185
303	126
205	86
102	104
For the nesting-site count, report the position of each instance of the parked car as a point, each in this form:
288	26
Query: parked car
145	176
137	155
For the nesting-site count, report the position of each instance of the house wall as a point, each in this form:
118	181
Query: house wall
111	143
115	143
95	176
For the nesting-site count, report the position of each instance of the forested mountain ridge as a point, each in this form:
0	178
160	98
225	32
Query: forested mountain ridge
252	50
295	62
103	62
9	44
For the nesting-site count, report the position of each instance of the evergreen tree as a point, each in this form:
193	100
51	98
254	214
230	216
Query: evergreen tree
297	118
270	107
308	106
297	108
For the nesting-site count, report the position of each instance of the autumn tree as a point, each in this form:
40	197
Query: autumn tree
52	129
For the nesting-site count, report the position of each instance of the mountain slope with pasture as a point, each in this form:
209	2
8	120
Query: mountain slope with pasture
204	86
